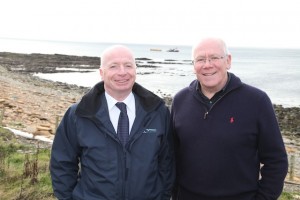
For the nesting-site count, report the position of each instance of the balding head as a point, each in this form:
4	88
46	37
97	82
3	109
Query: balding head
116	51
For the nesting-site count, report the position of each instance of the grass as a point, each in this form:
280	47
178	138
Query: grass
289	196
24	171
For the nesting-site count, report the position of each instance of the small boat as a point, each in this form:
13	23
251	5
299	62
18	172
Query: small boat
173	50
155	49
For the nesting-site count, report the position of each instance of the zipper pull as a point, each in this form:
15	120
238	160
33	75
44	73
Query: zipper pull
205	115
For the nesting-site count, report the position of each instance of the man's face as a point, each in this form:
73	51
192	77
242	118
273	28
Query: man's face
211	65
118	71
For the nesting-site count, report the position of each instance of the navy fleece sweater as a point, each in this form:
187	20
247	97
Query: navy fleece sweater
219	151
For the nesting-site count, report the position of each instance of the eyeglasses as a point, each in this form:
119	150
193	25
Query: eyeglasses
211	60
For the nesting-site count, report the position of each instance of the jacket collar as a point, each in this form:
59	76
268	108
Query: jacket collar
92	101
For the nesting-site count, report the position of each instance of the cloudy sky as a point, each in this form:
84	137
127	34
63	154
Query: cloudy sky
241	23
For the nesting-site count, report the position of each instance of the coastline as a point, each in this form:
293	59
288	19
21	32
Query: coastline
51	99
35	105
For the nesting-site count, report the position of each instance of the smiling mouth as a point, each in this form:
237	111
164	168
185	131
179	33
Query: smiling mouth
209	74
122	81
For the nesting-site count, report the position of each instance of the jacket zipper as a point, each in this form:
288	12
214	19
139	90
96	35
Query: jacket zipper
206	113
125	174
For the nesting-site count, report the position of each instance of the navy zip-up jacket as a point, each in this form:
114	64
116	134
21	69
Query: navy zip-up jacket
88	161
219	151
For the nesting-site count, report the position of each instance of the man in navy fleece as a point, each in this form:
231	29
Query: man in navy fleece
228	142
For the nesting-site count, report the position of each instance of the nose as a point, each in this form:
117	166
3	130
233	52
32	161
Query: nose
122	69
207	63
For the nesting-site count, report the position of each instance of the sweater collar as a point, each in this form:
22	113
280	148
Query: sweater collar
232	83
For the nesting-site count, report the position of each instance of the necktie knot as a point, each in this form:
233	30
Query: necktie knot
122	107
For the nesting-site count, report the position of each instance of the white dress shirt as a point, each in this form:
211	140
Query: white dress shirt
114	111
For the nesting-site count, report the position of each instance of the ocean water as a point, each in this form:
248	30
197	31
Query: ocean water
276	71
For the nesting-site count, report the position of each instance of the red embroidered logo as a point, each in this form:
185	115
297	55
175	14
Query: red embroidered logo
231	119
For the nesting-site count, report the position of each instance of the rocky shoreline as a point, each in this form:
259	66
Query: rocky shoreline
20	68
34	105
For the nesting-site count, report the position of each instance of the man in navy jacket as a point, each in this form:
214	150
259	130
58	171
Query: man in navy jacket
228	144
88	160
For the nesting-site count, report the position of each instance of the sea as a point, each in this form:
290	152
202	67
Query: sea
275	71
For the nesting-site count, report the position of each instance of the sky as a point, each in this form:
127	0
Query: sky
241	23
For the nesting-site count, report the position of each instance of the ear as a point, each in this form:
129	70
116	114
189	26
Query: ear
228	61
101	72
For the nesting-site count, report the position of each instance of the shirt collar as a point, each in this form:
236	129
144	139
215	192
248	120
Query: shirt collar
129	101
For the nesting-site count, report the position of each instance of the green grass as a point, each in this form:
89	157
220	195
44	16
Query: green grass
24	170
289	196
